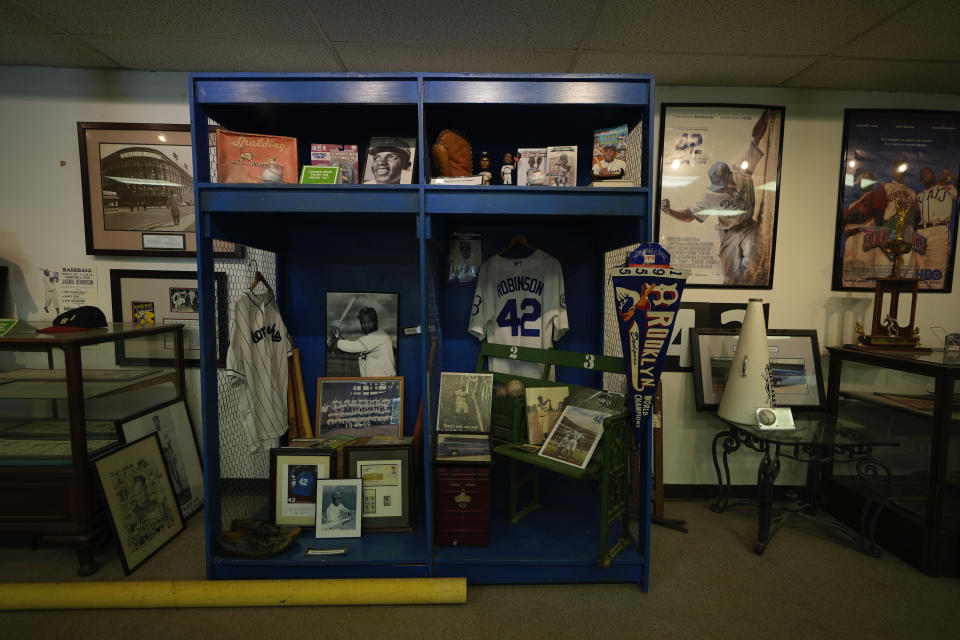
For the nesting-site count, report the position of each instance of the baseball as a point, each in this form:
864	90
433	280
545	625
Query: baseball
515	389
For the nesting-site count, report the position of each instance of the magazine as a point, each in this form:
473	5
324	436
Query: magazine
562	166
575	437
609	152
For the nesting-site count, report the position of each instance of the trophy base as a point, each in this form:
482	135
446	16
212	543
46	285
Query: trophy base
891	343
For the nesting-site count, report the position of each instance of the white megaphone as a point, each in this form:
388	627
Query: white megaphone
749	383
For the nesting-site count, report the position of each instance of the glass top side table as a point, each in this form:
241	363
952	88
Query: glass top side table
818	440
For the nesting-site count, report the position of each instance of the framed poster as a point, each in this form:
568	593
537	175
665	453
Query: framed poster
465	402
385	474
294	473
360	407
138	492
719	190
794	362
897	159
362	334
151	297
138	194
179	447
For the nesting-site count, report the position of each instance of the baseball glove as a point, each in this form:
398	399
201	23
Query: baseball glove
452	155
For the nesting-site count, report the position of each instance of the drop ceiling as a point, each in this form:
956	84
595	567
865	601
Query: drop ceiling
886	45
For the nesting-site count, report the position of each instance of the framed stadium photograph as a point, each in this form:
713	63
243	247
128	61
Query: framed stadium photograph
794	362
896	164
360	407
138	194
718	192
362	334
294	473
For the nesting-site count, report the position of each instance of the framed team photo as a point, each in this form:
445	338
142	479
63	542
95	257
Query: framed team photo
360	407
362	334
896	159
155	297
138	190
294	474
339	508
718	192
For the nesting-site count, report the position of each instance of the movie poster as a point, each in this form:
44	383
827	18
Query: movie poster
906	160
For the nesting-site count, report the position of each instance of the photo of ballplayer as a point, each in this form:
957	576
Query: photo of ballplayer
51	290
362	334
897	161
465	401
718	195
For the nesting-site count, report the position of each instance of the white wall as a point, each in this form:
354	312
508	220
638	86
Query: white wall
41	220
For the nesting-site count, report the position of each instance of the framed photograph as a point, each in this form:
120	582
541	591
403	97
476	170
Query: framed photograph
390	160
575	437
465	402
465	256
138	190
719	189
362	334
294	474
360	407
338	502
895	159
794	361
151	297
544	406
463	447
139	495
171	423
385	473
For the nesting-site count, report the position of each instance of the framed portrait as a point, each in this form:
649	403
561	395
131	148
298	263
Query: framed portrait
338	504
384	471
794	362
138	190
718	192
362	334
390	160
465	402
178	445
139	495
151	297
897	160
360	407
294	474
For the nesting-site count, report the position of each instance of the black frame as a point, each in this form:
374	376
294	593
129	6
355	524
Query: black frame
127	567
404	454
117	277
691	282
275	455
698	364
845	158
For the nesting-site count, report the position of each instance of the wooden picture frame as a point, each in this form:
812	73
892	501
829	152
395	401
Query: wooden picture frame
703	148
139	495
128	173
798	381
294	475
360	407
349	492
137	293
385	471
171	422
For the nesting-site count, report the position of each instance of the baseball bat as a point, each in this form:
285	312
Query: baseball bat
292	422
346	310
305	427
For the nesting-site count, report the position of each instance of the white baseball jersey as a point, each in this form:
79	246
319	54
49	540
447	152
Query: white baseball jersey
519	302
257	360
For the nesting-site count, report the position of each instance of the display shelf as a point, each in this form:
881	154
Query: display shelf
57	390
877	398
296	198
552	201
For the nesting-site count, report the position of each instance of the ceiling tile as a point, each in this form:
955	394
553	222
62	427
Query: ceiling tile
697	69
888	75
559	24
467	59
811	27
216	55
13	19
242	20
925	31
49	51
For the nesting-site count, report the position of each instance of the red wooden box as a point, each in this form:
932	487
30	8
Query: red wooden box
463	505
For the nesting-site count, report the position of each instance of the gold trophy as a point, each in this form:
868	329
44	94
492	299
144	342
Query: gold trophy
887	332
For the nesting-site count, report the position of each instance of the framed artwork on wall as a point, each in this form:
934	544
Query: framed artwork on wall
151	297
897	159
137	182
719	190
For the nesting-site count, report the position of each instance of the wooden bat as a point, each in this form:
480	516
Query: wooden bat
346	310
304	415
292	422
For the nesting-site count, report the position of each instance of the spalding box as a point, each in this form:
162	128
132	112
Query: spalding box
256	158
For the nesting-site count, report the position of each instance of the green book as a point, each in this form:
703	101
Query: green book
6	324
319	175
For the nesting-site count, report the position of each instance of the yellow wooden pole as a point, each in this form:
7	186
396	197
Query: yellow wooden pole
230	593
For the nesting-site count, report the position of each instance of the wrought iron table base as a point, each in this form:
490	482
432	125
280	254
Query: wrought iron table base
771	518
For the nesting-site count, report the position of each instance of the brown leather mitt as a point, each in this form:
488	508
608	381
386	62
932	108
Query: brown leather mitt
452	155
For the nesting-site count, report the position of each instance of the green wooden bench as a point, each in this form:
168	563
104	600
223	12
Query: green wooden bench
611	460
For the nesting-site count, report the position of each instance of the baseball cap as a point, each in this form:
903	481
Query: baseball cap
610	146
401	147
304	484
77	319
719	175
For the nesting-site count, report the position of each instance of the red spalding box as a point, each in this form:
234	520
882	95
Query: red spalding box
256	158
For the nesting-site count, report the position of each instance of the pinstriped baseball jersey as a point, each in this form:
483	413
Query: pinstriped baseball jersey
257	360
